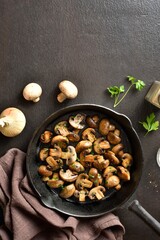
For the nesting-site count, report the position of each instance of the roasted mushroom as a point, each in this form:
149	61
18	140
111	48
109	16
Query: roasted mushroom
112	181
46	136
89	134
117	148
68	175
60	140
81	194
92	121
43	154
100	145
112	157
55	182
100	163
83	182
82	145
123	173
104	126
77	167
67	191
44	171
109	171
97	193
113	138
54	164
55	152
61	128
73	137
77	121
70	155
127	160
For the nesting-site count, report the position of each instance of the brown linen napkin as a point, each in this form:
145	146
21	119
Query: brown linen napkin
26	218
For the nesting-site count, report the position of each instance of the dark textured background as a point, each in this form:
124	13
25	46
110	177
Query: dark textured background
95	44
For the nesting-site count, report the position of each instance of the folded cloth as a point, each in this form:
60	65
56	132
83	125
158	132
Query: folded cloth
26	218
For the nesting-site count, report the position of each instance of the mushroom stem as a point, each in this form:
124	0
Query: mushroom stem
36	99
4	122
61	97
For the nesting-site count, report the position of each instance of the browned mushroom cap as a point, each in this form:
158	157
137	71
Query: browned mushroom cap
54	164
89	134
77	121
104	126
112	157
109	171
97	193
55	182
81	194
70	155
98	181
93	174
127	160
100	145
67	191
123	173
55	152
44	171
61	128
117	148
46	136
60	140
76	166
82	156
43	154
83	182
73	137
68	175
113	138
92	121
112	181
82	145
100	163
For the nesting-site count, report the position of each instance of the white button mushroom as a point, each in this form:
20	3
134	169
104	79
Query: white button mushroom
68	90
32	92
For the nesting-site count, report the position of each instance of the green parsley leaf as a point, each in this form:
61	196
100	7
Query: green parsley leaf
114	91
150	124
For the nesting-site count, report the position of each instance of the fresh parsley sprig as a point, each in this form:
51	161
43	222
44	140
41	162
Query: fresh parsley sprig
116	91
150	124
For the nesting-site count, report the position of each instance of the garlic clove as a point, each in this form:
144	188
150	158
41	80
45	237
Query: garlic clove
12	122
32	92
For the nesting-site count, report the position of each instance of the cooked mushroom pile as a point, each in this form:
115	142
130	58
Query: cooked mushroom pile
83	157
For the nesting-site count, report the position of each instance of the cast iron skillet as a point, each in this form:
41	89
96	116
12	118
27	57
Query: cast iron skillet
114	199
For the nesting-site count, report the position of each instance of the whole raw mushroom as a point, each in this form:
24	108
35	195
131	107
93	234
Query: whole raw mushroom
68	91
32	92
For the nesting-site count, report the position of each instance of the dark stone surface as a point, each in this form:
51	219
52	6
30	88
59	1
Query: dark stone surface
95	44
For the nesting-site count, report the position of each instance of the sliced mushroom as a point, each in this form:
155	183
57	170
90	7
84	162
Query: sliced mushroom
77	167
82	156
112	181
82	145
70	155
55	182
67	191
81	194
73	137
68	175
104	126
100	163
112	157
54	164
43	154
83	182
123	173
44	171
127	160
117	148
46	136
92	121
89	134
100	145
77	121
113	138
109	171
97	193
55	152
60	140
61	128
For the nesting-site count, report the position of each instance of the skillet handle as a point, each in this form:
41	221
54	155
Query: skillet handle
136	207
